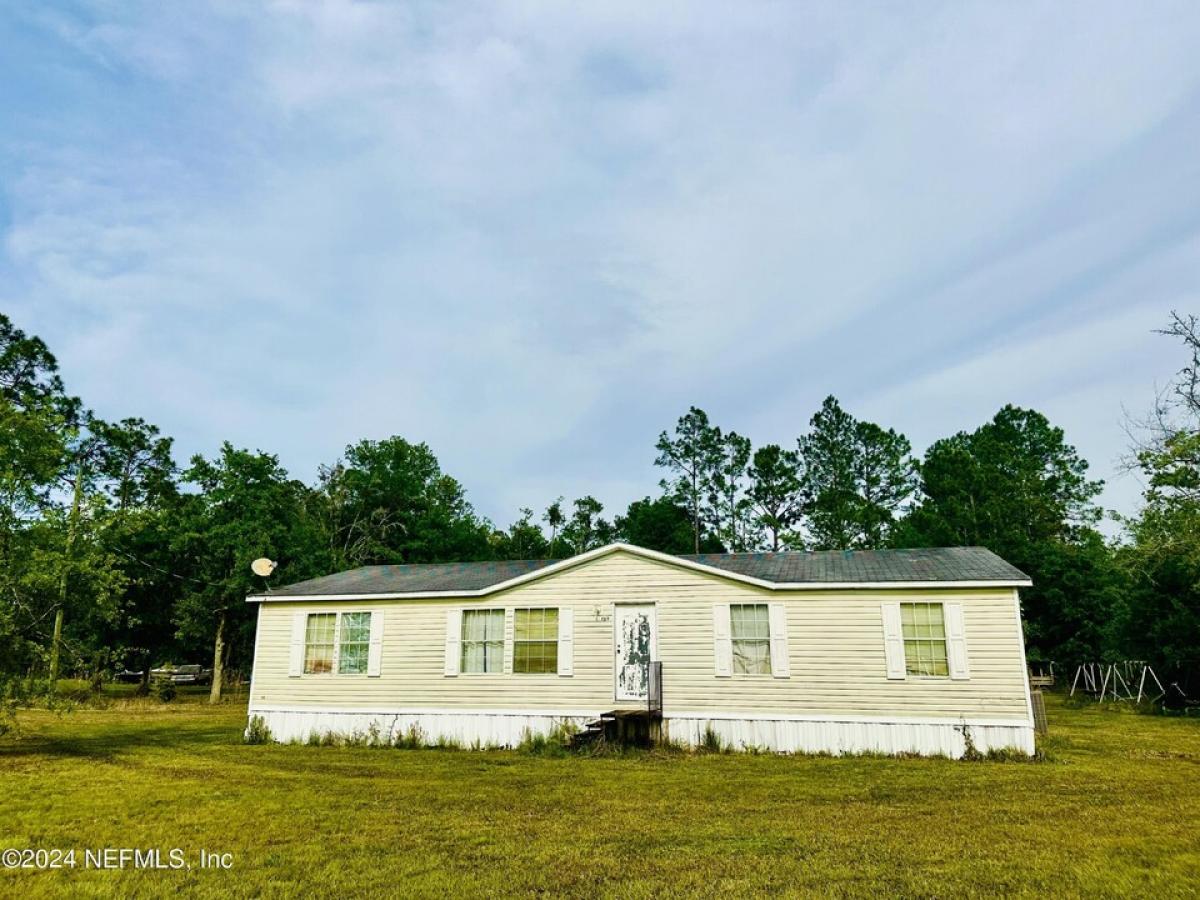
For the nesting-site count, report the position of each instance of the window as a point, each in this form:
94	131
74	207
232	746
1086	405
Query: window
337	641
318	643
482	641
535	641
354	643
924	632
750	631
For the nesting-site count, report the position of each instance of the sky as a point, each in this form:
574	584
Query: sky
532	235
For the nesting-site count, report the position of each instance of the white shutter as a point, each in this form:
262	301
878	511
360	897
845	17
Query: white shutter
956	642
296	660
375	651
566	642
893	640
337	642
780	667
508	641
453	640
722	646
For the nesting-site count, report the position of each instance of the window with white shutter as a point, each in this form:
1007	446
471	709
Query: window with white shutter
780	665
320	641
453	640
296	658
535	641
893	640
354	643
722	646
956	642
342	643
750	638
482	641
924	629
375	653
566	641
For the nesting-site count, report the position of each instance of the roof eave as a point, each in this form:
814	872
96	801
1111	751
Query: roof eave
561	565
656	555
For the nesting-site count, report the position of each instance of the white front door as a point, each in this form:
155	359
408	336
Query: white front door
635	644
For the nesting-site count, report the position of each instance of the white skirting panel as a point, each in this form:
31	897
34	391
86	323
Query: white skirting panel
502	728
497	729
839	738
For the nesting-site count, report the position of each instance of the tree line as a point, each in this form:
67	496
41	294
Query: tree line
114	554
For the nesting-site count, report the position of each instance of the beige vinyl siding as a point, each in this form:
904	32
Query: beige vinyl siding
835	650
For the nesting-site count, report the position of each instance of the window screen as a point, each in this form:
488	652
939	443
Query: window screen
318	643
750	631
354	643
924	639
482	641
535	641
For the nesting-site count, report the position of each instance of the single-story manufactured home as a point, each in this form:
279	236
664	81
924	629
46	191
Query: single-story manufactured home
884	651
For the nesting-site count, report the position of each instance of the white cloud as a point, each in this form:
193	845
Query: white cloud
534	235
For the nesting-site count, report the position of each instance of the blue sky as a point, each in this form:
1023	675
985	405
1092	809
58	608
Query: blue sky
533	236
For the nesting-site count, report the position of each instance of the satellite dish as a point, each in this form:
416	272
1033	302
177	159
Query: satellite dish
263	566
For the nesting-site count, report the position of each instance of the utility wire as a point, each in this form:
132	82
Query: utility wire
142	562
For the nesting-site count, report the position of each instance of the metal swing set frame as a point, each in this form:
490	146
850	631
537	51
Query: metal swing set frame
1115	680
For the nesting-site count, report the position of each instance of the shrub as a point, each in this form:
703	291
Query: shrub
163	689
1011	754
538	744
970	751
555	742
710	741
670	746
257	731
412	739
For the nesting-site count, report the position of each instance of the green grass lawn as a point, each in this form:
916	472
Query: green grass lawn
1115	810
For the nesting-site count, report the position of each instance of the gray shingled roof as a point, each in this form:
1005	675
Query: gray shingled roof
932	564
466	576
807	567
